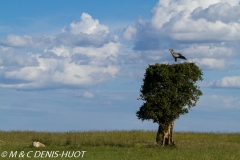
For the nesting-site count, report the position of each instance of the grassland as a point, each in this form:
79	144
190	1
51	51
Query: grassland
114	145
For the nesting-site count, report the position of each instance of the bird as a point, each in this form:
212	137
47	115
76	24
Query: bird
176	55
37	144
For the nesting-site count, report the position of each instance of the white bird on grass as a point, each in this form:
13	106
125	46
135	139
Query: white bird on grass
37	144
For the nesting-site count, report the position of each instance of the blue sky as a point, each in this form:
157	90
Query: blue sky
78	65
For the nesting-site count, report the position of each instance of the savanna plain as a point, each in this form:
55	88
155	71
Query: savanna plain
104	145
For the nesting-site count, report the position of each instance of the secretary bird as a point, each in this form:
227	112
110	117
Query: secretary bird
176	55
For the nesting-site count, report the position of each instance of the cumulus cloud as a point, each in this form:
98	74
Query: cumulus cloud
208	51
205	32
87	32
194	23
208	56
165	10
87	25
81	56
66	70
226	82
130	33
220	101
217	12
83	39
202	30
16	41
209	63
26	41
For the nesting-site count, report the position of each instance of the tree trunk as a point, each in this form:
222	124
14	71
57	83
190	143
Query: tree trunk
164	136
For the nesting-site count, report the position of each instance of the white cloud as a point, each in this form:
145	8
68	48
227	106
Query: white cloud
168	9
206	32
209	56
226	82
68	71
218	12
183	21
10	57
26	73
219	101
209	63
130	33
101	55
26	41
208	51
87	95
16	41
87	25
87	32
59	51
63	60
186	29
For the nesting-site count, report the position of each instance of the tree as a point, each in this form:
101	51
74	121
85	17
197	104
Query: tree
168	91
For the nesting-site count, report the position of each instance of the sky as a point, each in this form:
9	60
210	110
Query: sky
79	65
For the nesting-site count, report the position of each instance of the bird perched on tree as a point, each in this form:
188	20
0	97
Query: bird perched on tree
176	55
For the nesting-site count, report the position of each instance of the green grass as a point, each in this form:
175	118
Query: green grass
139	145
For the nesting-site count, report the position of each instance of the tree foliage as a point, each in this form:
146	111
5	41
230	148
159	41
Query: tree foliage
169	91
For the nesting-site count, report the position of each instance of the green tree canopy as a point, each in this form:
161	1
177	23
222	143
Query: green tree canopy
169	91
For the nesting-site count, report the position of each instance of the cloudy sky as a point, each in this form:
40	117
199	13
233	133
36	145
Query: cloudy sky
78	65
